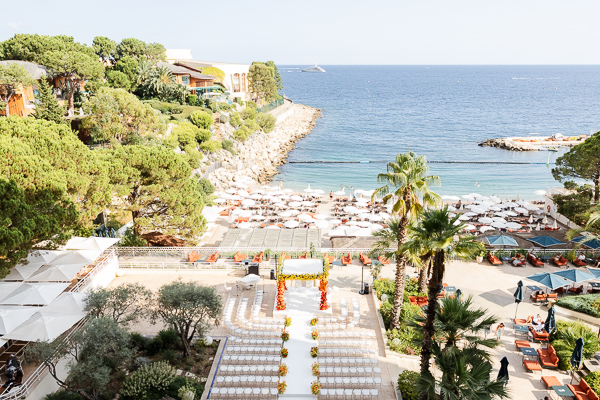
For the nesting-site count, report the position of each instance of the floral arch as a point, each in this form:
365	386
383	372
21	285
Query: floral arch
289	270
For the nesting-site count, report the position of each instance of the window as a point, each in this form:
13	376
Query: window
244	83
185	80
236	82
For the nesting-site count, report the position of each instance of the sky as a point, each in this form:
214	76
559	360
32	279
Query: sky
331	32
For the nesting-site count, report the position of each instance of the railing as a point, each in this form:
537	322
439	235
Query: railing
181	265
211	168
271	106
97	268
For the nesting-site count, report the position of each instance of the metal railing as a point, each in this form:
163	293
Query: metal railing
211	168
271	106
109	255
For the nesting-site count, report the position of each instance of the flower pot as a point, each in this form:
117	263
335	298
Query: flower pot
479	259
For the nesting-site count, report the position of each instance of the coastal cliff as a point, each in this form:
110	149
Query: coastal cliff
258	157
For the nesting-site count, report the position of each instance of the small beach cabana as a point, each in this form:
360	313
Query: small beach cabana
545	241
592	244
501	240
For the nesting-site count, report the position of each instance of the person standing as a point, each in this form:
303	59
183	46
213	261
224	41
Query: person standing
499	331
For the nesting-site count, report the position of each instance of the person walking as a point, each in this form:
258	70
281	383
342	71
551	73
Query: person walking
499	331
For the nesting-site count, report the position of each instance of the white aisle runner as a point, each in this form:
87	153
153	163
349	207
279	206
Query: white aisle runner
302	305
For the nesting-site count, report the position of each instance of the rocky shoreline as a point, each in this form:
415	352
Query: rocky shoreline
526	144
258	157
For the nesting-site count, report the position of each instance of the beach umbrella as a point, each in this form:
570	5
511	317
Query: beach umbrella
576	275
495	208
451	208
308	189
550	323
501	240
243	193
322	224
219	201
231	191
554	225
21	272
318	191
521	210
518	296
545	220
248	202
468	197
458	294
273	227
13	316
513	225
88	243
240	185
469	227
510	204
540	192
316	195
305	218
499	219
340	192
384	215
296	198
577	356
244	225
257	217
291	224
76	257
595	272
474	195
496	199
68	302
295	204
486	228
485	220
287	191
531	219
375	217
590	242
545	241
464	218
337	232
335	221
255	196
34	294
530	207
244	213
352	223
469	214
503	373
549	280
350	209
56	273
44	326
286	214
375	227
364	215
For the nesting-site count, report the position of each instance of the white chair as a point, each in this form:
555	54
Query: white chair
214	393
264	392
348	394
256	392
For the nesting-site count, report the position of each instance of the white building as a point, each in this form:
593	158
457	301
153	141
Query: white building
236	75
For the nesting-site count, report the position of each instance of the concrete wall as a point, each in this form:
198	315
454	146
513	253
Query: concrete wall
105	276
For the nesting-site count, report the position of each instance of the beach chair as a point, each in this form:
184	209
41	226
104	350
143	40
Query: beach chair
213	257
559	261
538	297
532	366
285	256
548	357
534	261
579	263
560	290
224	213
329	258
194	256
303	256
522	343
383	260
364	259
539	336
347	260
550	381
413	300
422	301
493	259
577	290
239	257
582	391
257	258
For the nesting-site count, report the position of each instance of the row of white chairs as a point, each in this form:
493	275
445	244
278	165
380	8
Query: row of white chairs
345	342
253	349
235	359
246	380
349	394
336	351
242	393
255	333
354	382
248	369
256	305
236	341
356	371
348	361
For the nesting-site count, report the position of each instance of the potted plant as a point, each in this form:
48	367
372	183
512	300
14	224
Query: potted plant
314	321
315	369
283	370
287	321
314	352
267	255
480	255
285	336
284	353
315	334
315	387
281	386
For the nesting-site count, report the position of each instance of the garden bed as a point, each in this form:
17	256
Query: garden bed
587	304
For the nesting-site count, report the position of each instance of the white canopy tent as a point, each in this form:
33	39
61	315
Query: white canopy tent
34	261
34	294
84	257
44	326
13	316
90	243
56	273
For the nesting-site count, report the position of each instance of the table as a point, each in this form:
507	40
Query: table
450	289
595	285
529	351
534	288
521	329
562	391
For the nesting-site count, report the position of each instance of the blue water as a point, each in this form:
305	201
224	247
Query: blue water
374	112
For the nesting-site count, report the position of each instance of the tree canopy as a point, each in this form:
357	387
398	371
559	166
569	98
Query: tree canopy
581	162
262	82
123	304
156	187
12	78
189	309
115	114
104	48
47	107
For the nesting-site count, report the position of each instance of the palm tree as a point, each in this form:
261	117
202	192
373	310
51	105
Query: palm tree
592	227
465	371
406	185
438	233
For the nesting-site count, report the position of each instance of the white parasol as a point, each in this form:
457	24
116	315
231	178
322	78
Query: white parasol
291	224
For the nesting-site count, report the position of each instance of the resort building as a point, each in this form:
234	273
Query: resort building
235	76
22	103
197	82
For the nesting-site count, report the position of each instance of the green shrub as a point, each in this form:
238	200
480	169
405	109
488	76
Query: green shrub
386	313
223	118
147	381
228	145
192	155
201	119
131	239
192	99
248	113
564	339
235	120
155	345
138	340
169	355
180	382
266	122
242	134
587	304
210	146
404	340
114	224
412	287
170	339
205	186
202	135
386	286
251	104
593	380
63	395
252	125
186	133
407	384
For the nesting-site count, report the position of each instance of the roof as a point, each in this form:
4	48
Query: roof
181	70
36	70
202	64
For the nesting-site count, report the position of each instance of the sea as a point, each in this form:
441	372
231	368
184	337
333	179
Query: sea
372	113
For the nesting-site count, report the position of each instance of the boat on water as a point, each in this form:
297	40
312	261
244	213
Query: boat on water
314	68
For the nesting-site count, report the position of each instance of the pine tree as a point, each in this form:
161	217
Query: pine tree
47	106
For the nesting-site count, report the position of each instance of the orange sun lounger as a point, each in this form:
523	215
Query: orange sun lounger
213	257
239	257
257	258
364	259
347	260
383	260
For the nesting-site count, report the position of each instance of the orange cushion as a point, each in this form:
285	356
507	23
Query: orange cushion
583	385
532	365
592	395
551	381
